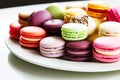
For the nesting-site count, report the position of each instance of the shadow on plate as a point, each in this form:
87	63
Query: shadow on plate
38	71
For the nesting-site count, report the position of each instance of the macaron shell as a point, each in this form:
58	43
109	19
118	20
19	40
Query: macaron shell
107	42
28	44
79	59
54	24
96	14
84	53
100	5
79	45
104	58
33	32
24	14
52	41
15	26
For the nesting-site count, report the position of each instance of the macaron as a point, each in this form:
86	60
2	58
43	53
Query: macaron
56	10
73	12
15	30
53	27
113	14
30	36
106	49
86	20
78	50
39	17
23	17
109	28
97	9
74	31
52	46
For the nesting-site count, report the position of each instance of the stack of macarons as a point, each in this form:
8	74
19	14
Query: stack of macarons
76	32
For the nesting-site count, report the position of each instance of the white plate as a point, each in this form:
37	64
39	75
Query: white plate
33	56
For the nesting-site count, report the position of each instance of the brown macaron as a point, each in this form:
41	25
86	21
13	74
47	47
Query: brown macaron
23	17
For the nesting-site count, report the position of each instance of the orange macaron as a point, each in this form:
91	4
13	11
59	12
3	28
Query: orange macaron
97	9
30	36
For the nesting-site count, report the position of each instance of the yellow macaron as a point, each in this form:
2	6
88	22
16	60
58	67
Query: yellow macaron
69	13
97	9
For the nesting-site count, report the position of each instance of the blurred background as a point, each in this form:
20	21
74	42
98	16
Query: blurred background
12	3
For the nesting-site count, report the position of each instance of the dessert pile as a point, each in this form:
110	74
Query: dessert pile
72	32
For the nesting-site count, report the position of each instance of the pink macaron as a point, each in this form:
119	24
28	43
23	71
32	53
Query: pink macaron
107	47
114	14
52	46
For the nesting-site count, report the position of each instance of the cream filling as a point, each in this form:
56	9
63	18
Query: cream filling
115	52
29	39
105	33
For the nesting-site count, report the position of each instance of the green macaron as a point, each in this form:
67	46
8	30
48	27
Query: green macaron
56	10
74	31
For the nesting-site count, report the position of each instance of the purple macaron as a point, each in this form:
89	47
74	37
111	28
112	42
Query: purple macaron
39	17
53	26
78	50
